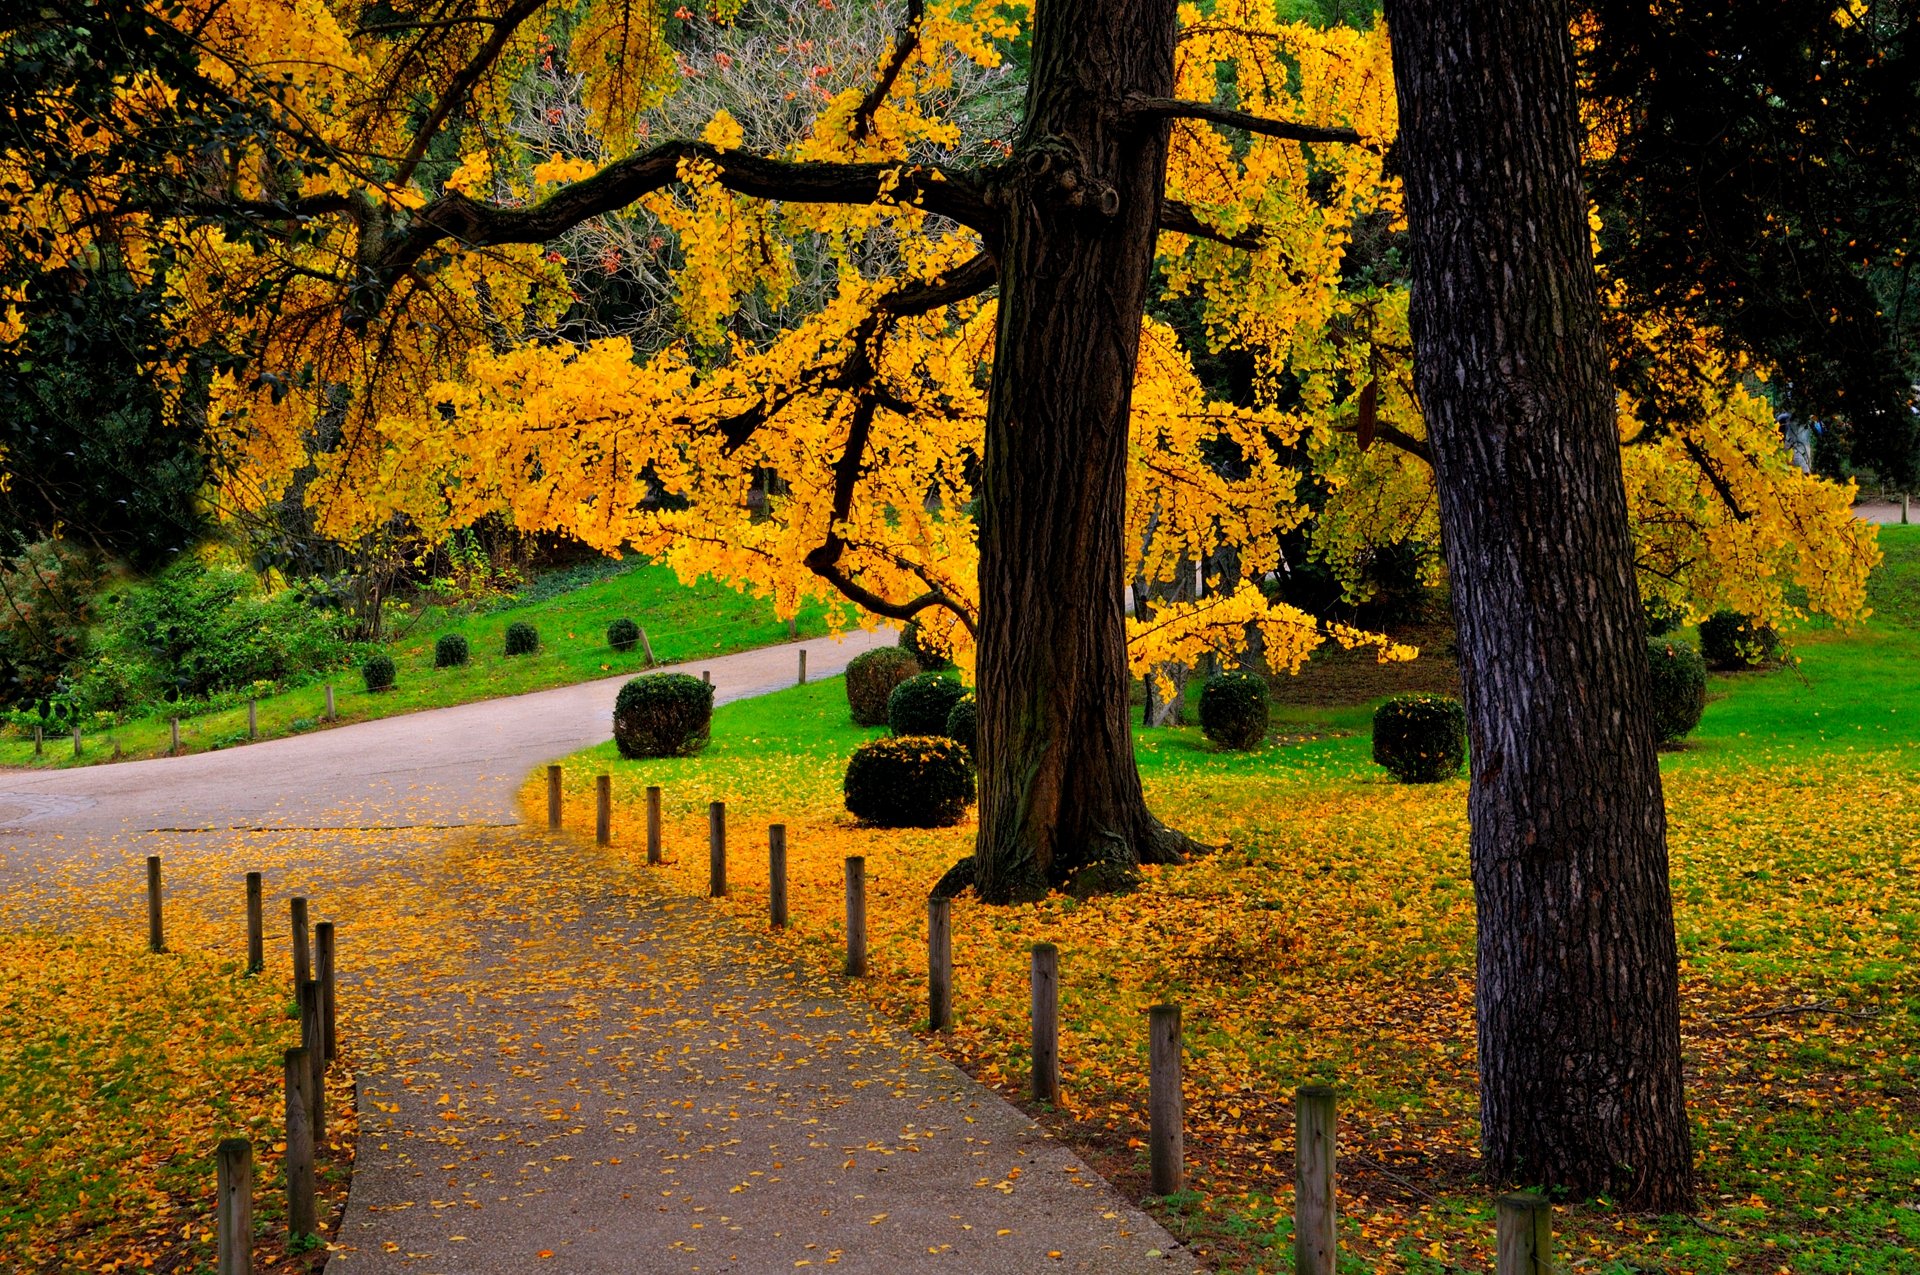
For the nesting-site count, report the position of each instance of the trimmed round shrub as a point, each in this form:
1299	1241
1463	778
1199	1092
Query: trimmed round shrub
379	673
919	705
963	722
450	651
913	640
522	638
1729	641
909	781
871	677
662	715
623	634
1420	739
1679	688
1234	710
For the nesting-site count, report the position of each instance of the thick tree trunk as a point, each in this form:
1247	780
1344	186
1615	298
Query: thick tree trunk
1060	799
1578	1003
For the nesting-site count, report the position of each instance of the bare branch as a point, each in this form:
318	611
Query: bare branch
1151	109
1178	216
903	46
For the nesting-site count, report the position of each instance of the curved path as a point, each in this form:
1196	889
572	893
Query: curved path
561	1066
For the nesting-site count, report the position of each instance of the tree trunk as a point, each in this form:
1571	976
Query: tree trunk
1060	799
1578	1002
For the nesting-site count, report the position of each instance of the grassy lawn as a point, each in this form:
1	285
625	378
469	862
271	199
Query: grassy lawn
681	622
1331	939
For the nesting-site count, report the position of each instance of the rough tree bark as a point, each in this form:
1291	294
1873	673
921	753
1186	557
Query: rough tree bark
1578	1002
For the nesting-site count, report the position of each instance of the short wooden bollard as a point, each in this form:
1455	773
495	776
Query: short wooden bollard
717	849
803	668
300	1206
653	825
253	719
76	741
1523	1235
173	750
313	1040
302	954
38	745
256	926
1045	986
939	965
233	1207
777	875
1166	1105
1315	1239
646	646
553	797
856	916
603	810
330	713
323	955
156	930
706	675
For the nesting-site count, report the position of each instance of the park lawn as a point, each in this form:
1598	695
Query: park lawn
683	622
1331	939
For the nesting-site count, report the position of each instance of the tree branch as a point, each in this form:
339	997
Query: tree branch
462	83
1699	457
1153	109
903	45
1178	217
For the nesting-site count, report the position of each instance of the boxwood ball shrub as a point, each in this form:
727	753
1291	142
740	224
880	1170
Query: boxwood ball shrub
1234	710
662	715
1679	688
919	705
522	638
909	781
914	642
1729	641
450	651
623	634
1420	739
871	677
378	672
963	721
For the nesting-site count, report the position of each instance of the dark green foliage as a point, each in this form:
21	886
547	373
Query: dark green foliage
1662	617
1679	688
379	672
522	638
919	705
1730	641
1234	710
963	722
46	604
1420	739
913	641
623	635
871	677
450	651
662	715
910	781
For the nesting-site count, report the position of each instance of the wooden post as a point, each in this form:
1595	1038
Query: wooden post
313	1040
1904	498
1166	1106
653	825
603	809
717	849
646	646
1045	985
174	749
156	931
330	713
793	626
300	1208
553	798
777	875
302	966
323	954
939	965
233	1207
1523	1235
38	745
706	675
76	741
1315	1240
253	719
256	927
803	667
856	916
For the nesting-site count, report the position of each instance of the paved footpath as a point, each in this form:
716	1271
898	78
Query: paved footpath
562	1067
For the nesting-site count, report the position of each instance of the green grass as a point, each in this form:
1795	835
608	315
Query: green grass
682	622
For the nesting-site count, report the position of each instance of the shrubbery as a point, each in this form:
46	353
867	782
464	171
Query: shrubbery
1234	710
1420	739
662	715
450	651
623	635
909	781
919	705
1679	688
963	721
378	672
913	640
522	638
871	677
1730	641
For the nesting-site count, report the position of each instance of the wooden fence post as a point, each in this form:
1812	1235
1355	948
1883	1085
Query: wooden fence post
300	1207
803	667
603	809
173	750
646	646
717	849
330	713
939	964
1166	1105
553	797
777	875
313	1040
38	745
1523	1235
253	719
256	927
233	1207
323	954
706	675
1315	1239
156	930
653	825
856	916
302	964
76	741
1045	988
